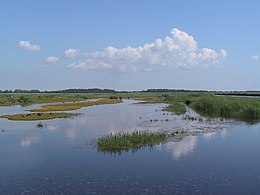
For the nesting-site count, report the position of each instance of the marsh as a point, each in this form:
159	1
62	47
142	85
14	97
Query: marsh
60	157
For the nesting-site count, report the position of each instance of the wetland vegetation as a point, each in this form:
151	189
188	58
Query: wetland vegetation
11	99
160	149
204	103
178	108
208	105
243	109
125	141
39	116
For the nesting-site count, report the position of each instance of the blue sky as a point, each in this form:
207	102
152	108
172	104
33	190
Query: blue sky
130	45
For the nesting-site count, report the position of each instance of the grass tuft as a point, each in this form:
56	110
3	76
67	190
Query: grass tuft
132	141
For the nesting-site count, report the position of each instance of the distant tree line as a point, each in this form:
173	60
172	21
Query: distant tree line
93	90
20	91
172	90
97	90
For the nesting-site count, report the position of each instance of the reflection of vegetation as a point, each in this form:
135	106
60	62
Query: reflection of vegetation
39	116
177	108
74	105
117	143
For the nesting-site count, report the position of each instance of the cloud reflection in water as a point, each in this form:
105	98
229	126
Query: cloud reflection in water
28	141
182	148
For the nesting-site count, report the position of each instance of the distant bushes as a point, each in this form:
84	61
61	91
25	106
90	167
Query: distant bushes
23	100
188	102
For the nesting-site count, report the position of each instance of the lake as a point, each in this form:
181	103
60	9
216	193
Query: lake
60	158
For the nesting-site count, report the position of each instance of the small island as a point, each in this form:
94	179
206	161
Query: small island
39	116
74	105
124	141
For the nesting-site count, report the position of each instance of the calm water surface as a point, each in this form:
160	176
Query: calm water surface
60	159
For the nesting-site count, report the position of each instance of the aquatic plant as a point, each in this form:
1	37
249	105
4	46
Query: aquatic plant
124	141
40	125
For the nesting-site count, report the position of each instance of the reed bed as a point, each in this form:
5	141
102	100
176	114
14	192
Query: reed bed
243	109
133	141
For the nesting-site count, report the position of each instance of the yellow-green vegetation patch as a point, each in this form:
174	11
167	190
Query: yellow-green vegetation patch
39	116
74	105
6	104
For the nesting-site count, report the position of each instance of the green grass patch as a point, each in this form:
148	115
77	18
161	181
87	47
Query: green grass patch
39	116
74	105
34	98
177	107
132	141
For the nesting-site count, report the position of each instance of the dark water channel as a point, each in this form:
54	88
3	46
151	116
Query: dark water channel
60	159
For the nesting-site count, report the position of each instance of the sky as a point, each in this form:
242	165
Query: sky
130	45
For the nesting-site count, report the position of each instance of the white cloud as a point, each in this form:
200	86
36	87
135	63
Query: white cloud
255	57
179	50
51	59
71	53
28	46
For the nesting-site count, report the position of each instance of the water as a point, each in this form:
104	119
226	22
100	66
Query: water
60	159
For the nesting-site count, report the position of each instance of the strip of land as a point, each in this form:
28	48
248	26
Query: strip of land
74	105
12	99
39	116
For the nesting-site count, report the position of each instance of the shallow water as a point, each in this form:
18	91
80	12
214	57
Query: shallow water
60	158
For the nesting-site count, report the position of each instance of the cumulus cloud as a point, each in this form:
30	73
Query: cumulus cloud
255	57
178	50
51	59
71	53
27	45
